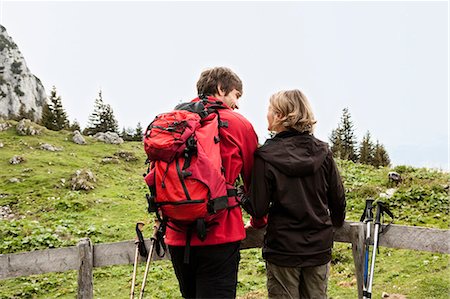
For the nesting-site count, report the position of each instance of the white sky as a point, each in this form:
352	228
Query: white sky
386	61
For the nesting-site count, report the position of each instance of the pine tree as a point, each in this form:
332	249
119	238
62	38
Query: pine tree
381	157
24	114
75	126
348	137
109	121
127	134
336	142
102	118
343	140
53	115
47	116
139	133
366	150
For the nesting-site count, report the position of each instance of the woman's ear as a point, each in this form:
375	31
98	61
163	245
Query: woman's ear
276	115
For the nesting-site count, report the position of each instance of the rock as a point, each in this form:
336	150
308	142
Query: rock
51	148
109	137
393	296
22	93
27	127
1	144
14	180
110	160
4	126
16	160
394	177
83	180
6	212
78	138
388	193
127	156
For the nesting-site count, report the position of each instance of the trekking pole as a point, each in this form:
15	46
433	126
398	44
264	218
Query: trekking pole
137	241
149	258
381	208
367	217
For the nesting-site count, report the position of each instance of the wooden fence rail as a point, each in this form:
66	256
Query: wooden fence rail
85	256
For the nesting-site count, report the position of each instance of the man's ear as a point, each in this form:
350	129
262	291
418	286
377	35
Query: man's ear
220	91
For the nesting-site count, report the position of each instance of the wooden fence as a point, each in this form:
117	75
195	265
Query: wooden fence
85	255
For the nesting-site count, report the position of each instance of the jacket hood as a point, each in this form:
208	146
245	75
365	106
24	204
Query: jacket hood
294	154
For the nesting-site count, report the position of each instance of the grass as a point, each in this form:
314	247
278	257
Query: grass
48	214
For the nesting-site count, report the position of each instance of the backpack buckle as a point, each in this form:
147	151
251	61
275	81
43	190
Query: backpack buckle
152	207
217	204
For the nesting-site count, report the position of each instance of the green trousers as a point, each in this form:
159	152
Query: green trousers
297	282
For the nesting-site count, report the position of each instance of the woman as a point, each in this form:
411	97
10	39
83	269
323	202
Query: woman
296	182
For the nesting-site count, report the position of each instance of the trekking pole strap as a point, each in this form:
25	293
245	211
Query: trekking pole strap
141	244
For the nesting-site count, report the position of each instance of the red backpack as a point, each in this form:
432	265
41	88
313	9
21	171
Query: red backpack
186	177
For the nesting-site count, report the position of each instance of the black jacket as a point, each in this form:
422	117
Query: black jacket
296	182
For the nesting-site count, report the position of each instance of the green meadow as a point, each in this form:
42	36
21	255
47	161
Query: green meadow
40	211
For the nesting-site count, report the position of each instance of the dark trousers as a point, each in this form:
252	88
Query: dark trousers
211	272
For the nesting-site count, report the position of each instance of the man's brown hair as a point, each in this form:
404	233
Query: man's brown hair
212	78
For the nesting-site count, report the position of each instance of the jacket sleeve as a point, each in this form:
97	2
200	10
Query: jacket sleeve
336	194
258	200
247	152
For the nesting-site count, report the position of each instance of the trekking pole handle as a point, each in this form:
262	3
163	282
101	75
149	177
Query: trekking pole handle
380	205
382	208
367	215
140	225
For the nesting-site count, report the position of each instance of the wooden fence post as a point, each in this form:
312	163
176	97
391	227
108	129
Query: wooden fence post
357	238
85	277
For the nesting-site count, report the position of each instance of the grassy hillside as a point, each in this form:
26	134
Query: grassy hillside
39	210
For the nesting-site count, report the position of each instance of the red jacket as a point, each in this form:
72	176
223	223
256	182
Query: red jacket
238	142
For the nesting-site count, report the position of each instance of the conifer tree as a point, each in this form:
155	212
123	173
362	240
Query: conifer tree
348	137
47	116
75	126
381	157
102	118
343	140
109	121
127	134
336	142
24	114
53	115
138	134
366	150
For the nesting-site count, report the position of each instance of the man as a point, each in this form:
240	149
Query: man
213	263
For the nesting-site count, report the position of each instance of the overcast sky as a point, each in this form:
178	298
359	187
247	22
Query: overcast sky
386	61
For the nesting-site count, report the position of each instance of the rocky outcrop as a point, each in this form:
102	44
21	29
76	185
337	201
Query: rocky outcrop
27	127
21	92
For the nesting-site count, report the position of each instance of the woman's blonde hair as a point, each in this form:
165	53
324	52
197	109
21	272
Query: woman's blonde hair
293	111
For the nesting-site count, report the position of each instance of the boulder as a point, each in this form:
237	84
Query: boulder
49	147
16	160
127	156
109	137
6	212
83	179
78	138
27	127
4	126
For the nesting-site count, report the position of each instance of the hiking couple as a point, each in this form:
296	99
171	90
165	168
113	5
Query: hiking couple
292	187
